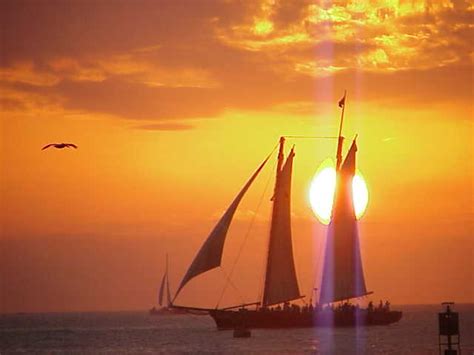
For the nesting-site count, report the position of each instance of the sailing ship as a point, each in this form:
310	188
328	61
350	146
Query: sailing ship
164	299
342	274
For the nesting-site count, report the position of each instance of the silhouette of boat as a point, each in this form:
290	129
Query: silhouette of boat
165	306
342	274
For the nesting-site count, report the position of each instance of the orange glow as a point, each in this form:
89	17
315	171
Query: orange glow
173	107
323	186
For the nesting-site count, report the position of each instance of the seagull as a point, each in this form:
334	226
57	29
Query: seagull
60	146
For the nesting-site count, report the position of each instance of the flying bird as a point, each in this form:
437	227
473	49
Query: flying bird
60	146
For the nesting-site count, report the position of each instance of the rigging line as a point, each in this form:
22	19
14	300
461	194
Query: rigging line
245	240
229	281
295	259
247	234
318	272
264	266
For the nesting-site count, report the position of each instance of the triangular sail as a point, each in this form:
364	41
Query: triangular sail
343	276
281	284
162	287
165	282
210	254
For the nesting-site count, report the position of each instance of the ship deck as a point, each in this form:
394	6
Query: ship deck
265	318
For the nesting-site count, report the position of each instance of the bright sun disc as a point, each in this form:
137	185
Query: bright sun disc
321	192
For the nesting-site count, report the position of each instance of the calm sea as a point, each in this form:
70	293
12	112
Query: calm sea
137	333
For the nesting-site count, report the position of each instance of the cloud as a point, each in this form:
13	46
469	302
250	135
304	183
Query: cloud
405	35
24	72
165	127
27	99
182	60
120	97
11	105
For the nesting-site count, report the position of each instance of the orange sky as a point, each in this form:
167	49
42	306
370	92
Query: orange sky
173	105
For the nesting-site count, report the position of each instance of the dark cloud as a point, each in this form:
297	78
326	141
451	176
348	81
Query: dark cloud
46	28
8	104
290	12
172	60
253	91
138	101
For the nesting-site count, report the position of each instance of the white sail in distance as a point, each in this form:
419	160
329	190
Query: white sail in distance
161	292
165	282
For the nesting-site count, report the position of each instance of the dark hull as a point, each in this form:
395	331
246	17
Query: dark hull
288	319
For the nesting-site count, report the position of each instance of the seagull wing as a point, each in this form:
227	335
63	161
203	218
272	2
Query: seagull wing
71	145
47	146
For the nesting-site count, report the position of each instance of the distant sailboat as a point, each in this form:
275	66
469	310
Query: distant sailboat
342	276
164	300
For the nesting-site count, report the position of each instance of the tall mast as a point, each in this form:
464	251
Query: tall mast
280	155
278	169
343	275
340	140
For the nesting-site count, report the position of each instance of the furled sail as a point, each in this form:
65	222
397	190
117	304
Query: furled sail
343	276
210	254
281	283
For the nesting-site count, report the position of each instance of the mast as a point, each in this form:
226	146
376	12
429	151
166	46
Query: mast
277	175
280	158
340	139
343	275
281	284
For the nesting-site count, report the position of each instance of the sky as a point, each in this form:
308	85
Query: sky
174	104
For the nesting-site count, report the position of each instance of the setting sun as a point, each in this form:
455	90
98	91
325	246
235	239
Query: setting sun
323	185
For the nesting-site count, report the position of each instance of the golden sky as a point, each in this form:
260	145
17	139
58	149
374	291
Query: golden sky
173	105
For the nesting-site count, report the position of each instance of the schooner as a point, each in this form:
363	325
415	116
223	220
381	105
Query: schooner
342	274
164	297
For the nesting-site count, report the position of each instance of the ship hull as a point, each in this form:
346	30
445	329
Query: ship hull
226	319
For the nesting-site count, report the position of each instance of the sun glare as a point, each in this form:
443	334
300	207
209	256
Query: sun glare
321	192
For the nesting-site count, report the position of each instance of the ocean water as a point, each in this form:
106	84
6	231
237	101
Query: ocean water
139	333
